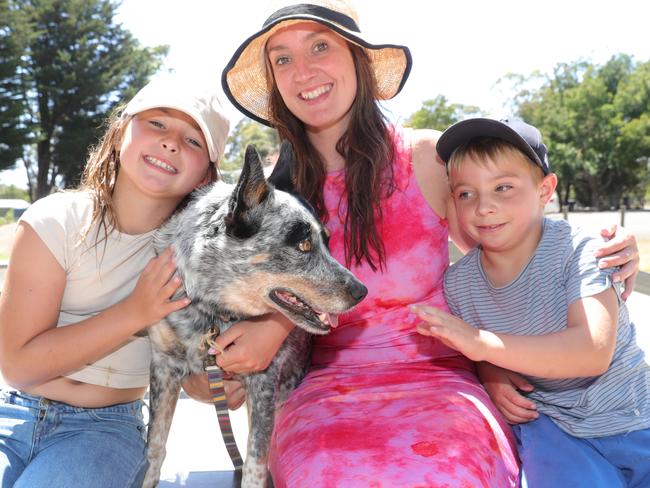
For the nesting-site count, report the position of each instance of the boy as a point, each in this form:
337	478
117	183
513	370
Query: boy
531	298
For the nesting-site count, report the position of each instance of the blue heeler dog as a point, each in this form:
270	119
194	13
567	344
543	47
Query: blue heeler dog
244	253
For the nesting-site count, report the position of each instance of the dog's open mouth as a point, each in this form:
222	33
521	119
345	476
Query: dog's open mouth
297	306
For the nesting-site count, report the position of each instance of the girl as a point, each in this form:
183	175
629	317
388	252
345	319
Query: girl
380	405
83	283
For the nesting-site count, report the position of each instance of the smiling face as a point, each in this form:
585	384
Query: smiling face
315	74
163	154
500	201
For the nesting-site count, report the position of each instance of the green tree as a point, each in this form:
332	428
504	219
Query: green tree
248	131
546	107
14	133
439	114
77	64
632	104
595	123
12	191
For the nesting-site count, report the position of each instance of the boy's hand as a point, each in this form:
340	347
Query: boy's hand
450	330
620	250
151	300
504	386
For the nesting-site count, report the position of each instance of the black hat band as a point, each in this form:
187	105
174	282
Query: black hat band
316	11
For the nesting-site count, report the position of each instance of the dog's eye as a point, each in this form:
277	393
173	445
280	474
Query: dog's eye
305	246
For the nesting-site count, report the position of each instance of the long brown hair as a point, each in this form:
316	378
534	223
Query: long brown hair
100	174
368	150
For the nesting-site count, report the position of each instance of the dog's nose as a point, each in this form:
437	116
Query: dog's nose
358	290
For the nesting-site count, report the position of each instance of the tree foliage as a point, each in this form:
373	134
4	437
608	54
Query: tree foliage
64	64
246	132
14	132
595	121
439	114
12	191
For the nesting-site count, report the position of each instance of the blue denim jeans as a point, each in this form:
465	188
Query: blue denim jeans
551	458
51	444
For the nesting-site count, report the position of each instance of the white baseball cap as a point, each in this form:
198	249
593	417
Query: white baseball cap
197	101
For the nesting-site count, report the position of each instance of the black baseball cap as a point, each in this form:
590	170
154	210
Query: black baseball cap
523	136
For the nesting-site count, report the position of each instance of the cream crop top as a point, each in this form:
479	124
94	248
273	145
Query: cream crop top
96	278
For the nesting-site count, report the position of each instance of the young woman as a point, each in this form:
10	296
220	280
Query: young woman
380	406
83	281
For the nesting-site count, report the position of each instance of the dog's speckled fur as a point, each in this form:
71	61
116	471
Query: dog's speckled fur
234	250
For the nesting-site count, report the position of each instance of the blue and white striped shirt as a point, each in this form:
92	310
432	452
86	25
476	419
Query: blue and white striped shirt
562	270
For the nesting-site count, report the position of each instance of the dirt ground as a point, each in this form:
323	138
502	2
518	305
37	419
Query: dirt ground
6	237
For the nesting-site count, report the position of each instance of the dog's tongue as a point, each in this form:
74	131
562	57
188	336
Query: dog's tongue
330	318
333	319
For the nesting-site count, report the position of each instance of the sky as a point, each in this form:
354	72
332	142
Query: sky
461	48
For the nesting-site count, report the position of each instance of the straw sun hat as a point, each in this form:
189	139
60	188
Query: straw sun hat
244	78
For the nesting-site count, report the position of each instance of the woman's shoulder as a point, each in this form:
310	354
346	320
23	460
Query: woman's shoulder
423	141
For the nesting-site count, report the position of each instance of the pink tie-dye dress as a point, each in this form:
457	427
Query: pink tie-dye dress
383	406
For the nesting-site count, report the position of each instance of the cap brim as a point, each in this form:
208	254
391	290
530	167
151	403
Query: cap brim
462	132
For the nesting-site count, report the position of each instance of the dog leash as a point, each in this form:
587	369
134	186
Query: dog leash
218	394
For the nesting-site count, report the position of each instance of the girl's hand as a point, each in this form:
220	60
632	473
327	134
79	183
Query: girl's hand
250	345
504	386
450	330
620	250
151	300
196	386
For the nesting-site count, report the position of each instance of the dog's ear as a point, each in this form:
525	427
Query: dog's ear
251	191
282	176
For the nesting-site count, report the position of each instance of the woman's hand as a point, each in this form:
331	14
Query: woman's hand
151	300
504	386
620	250
196	386
250	345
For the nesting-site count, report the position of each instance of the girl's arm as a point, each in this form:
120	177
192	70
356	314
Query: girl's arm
32	349
584	348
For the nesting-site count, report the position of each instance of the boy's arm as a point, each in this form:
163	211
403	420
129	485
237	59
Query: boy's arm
584	348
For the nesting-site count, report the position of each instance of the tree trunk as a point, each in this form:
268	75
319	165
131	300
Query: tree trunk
44	158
